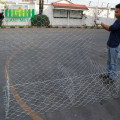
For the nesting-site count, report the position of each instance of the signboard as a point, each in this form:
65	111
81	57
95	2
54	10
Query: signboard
25	15
19	13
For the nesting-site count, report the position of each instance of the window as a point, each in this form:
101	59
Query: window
76	14
57	13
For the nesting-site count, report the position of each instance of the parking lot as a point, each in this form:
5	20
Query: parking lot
52	74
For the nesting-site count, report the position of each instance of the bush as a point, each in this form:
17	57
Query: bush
92	27
0	22
40	20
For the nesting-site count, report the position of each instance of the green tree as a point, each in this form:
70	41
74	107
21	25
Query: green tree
4	3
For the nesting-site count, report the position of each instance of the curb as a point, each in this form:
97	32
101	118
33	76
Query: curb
6	27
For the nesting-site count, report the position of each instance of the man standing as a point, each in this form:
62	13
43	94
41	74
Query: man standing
113	46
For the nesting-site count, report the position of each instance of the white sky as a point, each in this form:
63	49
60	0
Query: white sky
102	3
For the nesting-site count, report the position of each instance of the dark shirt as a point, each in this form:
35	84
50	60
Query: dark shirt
114	38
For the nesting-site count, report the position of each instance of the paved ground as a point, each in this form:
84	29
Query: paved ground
55	54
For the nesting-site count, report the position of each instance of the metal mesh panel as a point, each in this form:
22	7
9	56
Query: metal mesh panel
53	69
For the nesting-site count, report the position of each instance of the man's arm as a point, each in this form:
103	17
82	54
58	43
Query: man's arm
106	27
114	27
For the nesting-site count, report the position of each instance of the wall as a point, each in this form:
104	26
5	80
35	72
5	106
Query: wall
104	15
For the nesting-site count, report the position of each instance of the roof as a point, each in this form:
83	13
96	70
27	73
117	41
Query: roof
69	6
112	8
63	1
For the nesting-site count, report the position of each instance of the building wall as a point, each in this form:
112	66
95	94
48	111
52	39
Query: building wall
104	15
28	0
48	10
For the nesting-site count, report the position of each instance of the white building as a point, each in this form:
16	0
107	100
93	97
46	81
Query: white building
65	13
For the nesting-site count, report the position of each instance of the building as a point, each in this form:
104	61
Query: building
65	13
28	0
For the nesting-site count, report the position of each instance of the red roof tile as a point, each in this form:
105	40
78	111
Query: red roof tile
70	6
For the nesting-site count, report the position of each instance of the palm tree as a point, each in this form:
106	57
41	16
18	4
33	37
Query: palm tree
5	5
41	3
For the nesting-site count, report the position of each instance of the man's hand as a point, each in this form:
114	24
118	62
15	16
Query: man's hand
97	22
106	27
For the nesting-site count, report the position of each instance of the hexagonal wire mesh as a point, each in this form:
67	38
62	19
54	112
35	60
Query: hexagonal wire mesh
53	69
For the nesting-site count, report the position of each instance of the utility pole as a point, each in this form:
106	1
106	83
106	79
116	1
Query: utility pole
97	10
108	13
41	3
90	3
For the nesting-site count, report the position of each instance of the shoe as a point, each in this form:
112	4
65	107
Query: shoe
104	76
108	81
111	81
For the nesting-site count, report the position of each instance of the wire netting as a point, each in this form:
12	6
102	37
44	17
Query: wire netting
53	69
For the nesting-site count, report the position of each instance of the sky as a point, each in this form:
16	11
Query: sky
102	3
